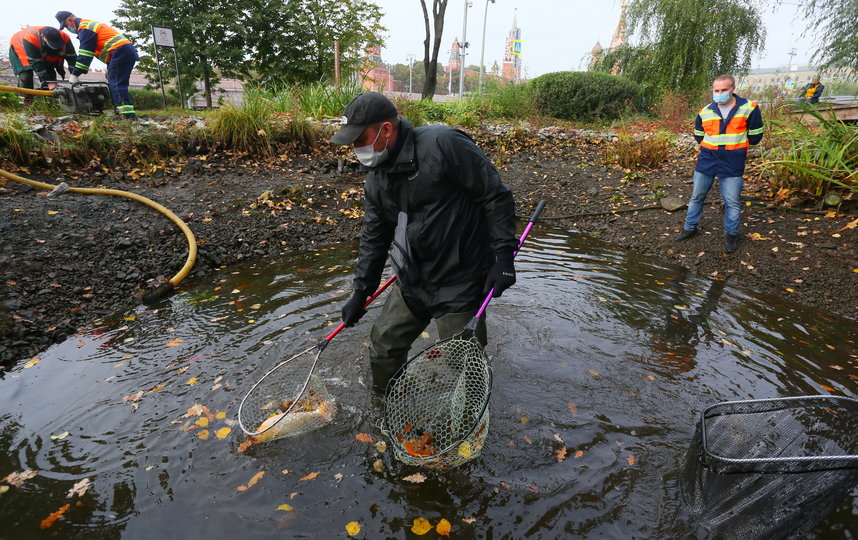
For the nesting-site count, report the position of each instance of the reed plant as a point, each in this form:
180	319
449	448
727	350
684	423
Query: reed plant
812	157
245	127
632	152
17	140
321	100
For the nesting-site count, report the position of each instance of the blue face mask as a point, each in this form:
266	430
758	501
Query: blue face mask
721	99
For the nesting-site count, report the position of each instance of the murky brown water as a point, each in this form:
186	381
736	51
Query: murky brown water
609	355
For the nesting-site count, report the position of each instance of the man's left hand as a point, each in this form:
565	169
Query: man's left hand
502	275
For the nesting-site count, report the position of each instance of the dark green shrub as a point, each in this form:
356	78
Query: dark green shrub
151	99
585	95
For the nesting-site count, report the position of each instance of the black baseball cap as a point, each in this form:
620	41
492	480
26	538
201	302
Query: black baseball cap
62	16
52	38
367	108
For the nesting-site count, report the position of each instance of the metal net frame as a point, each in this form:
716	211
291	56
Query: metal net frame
436	411
287	402
771	467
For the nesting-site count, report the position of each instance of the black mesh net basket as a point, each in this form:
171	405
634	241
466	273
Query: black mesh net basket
771	468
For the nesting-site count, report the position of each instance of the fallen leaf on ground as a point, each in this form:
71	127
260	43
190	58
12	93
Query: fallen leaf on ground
363	437
18	478
285	507
31	363
415	478
443	528
310	476
253	481
421	526
79	488
353	528
48	521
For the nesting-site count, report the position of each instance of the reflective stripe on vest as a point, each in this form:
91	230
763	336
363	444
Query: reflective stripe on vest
107	40
735	134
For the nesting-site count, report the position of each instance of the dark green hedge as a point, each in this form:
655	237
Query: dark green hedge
585	95
151	99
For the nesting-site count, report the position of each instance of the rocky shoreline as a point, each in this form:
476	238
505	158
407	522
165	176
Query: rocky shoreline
68	261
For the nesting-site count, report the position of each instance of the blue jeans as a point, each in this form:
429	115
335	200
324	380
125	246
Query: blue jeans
731	189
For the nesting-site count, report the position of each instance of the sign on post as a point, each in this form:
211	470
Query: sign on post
516	47
163	37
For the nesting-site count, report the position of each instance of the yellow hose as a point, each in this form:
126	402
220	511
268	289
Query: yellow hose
27	91
163	290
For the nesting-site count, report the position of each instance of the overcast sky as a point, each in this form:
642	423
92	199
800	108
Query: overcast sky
557	35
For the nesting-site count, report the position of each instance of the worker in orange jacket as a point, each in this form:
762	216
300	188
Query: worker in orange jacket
97	40
39	50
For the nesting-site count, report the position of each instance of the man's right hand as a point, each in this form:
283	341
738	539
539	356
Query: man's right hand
73	79
353	310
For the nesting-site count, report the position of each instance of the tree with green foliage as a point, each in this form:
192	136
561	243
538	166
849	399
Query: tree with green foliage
432	44
208	42
835	23
265	40
684	44
295	42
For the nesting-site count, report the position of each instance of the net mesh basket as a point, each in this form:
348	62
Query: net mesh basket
265	413
436	412
773	467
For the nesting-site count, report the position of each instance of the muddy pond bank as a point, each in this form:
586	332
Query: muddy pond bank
68	261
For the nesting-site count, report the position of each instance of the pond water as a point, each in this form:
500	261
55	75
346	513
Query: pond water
608	355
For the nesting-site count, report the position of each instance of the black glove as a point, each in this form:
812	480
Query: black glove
353	310
502	275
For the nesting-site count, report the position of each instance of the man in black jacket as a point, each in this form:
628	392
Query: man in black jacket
435	198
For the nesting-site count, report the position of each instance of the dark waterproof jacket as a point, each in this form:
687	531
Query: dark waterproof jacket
459	213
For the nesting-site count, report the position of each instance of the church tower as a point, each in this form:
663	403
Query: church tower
511	69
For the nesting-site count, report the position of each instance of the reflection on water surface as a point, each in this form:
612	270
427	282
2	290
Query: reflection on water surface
602	361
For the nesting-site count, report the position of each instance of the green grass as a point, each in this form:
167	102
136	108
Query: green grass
17	140
813	158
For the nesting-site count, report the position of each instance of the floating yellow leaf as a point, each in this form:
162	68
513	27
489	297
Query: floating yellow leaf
253	481
465	449
203	434
631	459
256	306
353	528
31	363
62	435
220	415
649	378
174	342
192	380
381	446
285	507
378	465
222	432
202	421
789	290
130	318
827	388
424	335
421	526
310	476
680	307
443	528
593	373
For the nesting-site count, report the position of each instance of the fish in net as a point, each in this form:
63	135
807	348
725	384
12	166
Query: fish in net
771	468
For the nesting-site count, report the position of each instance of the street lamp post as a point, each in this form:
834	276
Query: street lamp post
463	50
410	68
483	46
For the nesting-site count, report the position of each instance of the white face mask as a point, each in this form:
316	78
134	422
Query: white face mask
368	156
